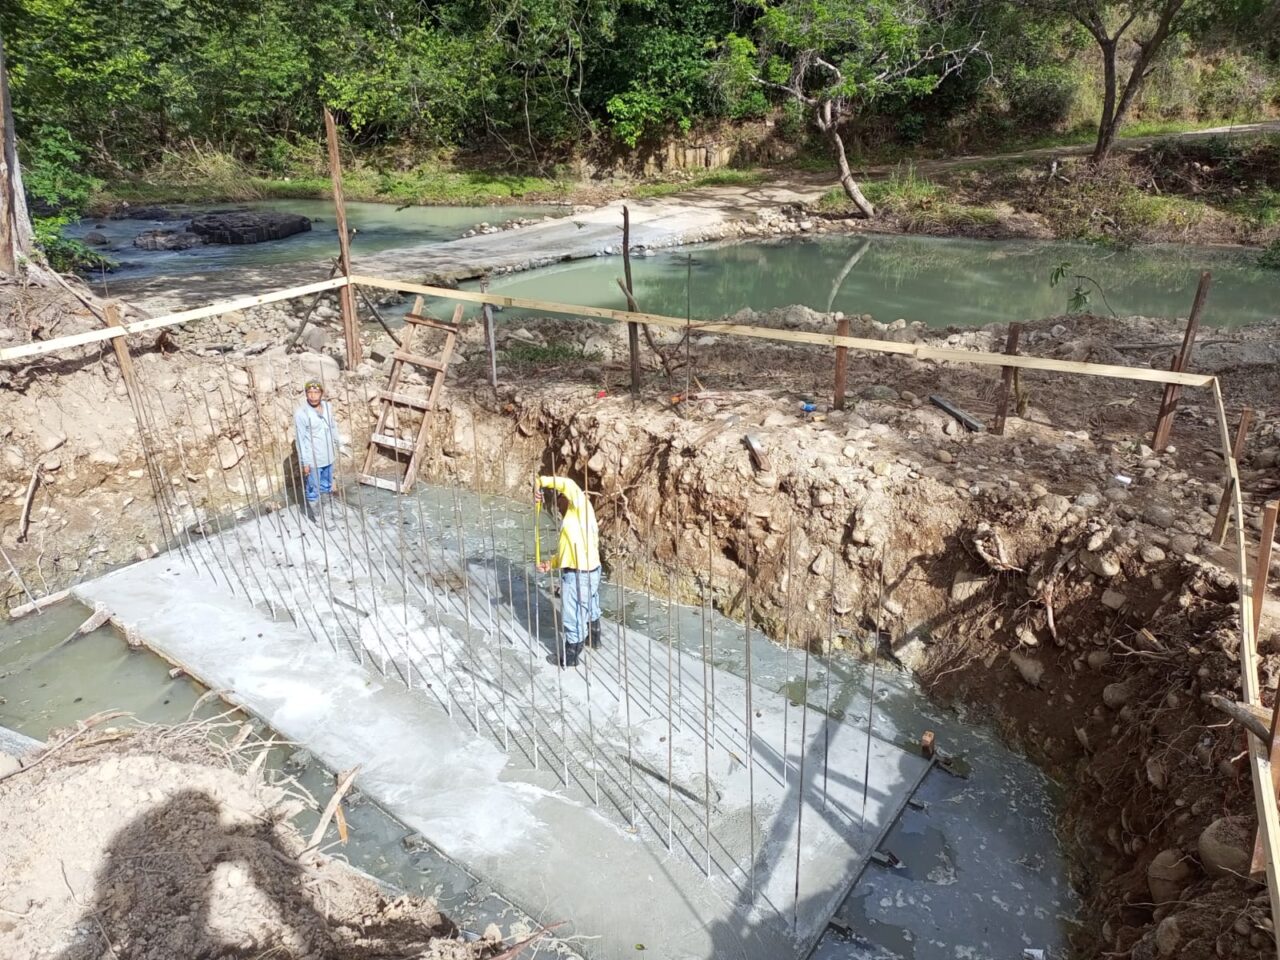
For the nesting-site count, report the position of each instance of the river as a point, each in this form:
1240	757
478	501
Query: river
940	281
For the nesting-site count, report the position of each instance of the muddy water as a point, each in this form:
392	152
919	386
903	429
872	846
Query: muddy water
981	873
46	683
939	281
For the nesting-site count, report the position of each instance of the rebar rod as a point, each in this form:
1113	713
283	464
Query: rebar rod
496	634
751	757
871	697
626	688
786	644
800	784
533	629
826	709
560	644
670	718
466	597
706	734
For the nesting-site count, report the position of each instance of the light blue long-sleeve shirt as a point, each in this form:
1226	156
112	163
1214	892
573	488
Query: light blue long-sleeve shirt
317	434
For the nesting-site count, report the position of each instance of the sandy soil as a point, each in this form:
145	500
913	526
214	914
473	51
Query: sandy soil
154	843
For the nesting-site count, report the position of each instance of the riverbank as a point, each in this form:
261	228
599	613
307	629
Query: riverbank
1218	185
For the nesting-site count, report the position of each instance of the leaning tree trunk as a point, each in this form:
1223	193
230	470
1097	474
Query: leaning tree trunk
827	124
17	241
1110	116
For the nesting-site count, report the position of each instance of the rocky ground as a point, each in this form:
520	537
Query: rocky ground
1058	578
153	843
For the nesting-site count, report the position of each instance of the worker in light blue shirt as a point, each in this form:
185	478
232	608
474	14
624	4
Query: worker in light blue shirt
316	433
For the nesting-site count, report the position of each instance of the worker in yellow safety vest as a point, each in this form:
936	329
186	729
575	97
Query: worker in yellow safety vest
578	560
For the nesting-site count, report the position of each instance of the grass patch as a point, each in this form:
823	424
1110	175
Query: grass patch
1270	256
551	354
210	176
711	178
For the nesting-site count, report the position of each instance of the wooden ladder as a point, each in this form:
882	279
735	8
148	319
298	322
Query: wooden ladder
393	397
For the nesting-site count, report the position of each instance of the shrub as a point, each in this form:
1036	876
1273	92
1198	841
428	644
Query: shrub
1270	256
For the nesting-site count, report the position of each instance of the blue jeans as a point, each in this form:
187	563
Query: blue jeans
325	476
579	602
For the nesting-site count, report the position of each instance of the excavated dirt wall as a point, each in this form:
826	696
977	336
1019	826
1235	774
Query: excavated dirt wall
1015	576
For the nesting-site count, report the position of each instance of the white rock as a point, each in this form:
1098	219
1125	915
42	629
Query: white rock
1029	667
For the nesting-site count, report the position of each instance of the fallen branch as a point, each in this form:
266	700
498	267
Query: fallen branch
24	521
85	726
344	784
518	948
1254	719
634	307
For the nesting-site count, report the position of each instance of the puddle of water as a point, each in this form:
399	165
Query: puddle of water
941	281
47	684
981	869
378	226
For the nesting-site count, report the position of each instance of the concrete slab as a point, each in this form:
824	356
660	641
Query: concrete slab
625	796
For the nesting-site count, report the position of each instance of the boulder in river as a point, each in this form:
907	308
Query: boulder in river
167	240
126	212
248	226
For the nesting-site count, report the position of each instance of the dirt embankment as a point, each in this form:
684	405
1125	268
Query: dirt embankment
1087	615
153	843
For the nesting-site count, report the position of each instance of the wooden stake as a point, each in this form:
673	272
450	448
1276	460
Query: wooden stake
1169	400
1260	572
633	328
1219	534
1262	567
842	364
350	331
1006	380
490	337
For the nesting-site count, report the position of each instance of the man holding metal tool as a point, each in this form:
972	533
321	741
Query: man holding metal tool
316	432
578	559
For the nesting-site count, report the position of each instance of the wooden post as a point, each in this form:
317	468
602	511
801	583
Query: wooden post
350	330
842	364
124	357
1006	380
1169	400
633	328
1259	589
1219	534
1262	567
490	336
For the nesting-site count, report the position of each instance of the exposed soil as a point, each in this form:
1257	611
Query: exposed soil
980	538
154	843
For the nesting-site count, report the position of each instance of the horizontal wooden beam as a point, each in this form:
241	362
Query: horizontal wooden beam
42	347
917	351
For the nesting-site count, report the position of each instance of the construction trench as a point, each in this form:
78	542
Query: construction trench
711	781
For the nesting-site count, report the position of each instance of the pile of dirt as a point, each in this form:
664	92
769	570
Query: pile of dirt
153	843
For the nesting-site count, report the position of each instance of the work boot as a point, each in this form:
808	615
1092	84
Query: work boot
595	634
310	509
571	653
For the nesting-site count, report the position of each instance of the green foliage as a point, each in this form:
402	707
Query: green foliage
1270	256
712	178
57	192
1078	301
551	354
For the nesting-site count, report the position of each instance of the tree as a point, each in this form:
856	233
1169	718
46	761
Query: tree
1108	23
16	236
837	57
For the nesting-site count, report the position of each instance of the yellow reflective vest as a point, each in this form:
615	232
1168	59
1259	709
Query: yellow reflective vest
579	547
